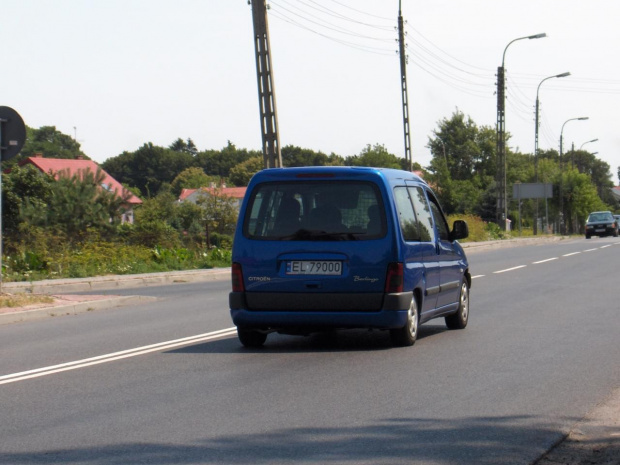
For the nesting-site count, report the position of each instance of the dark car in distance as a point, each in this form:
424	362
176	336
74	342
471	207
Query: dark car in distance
601	224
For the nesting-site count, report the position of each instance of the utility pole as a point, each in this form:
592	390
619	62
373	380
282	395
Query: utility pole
272	157
501	210
403	80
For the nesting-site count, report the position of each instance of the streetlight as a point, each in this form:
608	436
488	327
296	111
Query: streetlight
581	118
593	140
501	136
536	141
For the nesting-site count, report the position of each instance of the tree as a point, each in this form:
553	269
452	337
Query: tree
75	204
180	145
21	185
149	167
154	221
598	170
49	141
462	154
457	141
191	178
219	163
296	156
219	212
376	156
580	198
241	174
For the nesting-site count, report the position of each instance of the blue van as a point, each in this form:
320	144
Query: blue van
324	248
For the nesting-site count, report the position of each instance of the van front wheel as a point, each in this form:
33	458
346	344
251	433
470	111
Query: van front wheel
459	319
406	336
251	337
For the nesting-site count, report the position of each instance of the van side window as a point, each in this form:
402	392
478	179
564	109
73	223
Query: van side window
423	212
440	220
406	215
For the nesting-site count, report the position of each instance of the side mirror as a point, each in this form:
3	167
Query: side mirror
460	230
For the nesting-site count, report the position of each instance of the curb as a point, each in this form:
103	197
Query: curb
100	283
522	241
72	309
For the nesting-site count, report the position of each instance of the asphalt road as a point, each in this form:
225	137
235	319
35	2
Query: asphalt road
157	383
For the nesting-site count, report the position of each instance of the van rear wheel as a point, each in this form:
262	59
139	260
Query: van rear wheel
406	336
251	337
459	319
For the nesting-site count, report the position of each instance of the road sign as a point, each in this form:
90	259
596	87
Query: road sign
12	133
532	190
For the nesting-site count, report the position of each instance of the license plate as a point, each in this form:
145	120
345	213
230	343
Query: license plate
600	230
320	267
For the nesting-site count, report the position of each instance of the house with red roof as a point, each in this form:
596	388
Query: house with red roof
192	195
55	166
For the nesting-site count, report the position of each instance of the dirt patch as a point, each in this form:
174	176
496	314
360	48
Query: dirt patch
593	441
21	303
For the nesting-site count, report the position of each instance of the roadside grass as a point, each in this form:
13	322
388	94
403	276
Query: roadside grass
106	258
23	300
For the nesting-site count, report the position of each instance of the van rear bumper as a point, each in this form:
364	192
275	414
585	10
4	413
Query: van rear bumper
320	310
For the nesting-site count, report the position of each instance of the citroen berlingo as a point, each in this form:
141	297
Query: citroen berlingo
329	248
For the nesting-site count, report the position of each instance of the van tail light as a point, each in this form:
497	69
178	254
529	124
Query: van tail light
237	278
395	278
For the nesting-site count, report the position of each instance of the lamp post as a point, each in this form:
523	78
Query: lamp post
536	140
593	140
581	118
502	206
572	156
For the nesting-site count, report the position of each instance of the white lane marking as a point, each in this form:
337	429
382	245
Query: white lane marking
590	250
21	376
510	269
477	276
569	254
544	261
605	246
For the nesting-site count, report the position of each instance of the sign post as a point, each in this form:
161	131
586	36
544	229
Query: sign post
537	190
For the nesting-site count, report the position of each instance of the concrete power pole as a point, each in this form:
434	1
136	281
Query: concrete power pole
266	92
501	206
403	80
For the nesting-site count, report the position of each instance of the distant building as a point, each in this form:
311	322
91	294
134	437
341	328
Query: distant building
55	166
192	195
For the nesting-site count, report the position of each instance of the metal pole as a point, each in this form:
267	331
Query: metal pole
581	118
536	161
536	140
502	204
561	187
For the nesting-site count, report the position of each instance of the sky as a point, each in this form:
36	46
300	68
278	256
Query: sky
116	74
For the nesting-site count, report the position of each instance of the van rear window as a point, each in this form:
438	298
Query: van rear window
315	211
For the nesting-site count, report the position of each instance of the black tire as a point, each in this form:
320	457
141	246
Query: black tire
251	337
459	319
587	236
407	335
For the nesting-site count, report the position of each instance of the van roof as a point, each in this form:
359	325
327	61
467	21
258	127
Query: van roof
389	174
